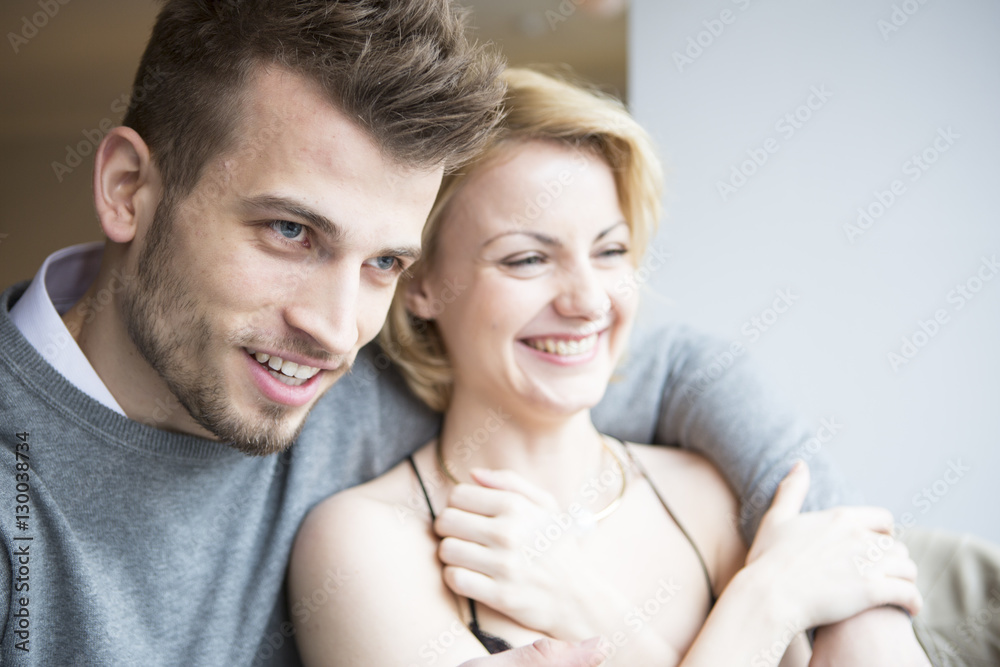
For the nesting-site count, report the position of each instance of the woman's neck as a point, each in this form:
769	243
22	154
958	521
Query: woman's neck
560	454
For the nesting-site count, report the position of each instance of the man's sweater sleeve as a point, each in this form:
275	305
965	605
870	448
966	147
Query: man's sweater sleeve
715	402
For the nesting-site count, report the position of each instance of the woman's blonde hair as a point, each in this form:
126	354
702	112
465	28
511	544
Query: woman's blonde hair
545	107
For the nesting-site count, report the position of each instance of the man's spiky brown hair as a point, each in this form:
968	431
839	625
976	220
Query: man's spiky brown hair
404	70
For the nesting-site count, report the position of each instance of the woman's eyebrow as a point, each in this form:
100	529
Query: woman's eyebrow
543	238
607	231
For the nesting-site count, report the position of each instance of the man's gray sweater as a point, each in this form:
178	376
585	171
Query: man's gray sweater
123	544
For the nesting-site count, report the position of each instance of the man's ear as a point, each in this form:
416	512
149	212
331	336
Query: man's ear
126	184
418	300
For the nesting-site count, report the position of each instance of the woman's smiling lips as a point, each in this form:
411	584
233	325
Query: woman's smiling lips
565	350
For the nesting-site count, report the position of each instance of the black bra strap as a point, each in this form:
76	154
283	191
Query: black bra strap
663	501
492	643
420	480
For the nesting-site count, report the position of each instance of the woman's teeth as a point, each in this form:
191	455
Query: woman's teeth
562	347
289	372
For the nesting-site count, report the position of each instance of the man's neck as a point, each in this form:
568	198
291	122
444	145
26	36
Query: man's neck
96	324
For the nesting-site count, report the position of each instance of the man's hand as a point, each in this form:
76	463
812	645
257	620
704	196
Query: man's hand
545	653
881	637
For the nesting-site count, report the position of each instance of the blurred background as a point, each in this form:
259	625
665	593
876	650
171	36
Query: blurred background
832	207
832	198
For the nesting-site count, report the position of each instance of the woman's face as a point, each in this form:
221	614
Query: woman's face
531	286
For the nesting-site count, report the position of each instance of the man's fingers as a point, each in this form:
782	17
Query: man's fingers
552	652
545	653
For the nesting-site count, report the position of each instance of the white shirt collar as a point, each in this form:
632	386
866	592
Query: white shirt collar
61	282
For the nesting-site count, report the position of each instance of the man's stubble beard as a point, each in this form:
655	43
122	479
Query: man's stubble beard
168	324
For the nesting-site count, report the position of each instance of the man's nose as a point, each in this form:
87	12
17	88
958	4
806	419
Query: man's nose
325	307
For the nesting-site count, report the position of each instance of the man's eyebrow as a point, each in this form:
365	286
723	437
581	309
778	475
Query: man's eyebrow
294	209
413	252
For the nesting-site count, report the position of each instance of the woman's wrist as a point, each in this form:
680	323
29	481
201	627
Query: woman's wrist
760	586
752	623
601	610
590	611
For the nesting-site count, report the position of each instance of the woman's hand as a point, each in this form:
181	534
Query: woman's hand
507	544
828	566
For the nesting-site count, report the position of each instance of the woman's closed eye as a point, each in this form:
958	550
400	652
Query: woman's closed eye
523	260
611	253
616	251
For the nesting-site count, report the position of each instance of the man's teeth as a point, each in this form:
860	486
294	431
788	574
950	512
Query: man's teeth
288	372
563	347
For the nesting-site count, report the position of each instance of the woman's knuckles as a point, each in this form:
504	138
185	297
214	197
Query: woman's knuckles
454	580
503	536
449	519
463	495
508	566
517	504
450	550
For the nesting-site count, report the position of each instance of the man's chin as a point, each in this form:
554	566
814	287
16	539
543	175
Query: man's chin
270	431
256	441
272	428
260	447
247	421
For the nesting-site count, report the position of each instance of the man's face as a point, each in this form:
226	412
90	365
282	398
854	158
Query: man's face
256	291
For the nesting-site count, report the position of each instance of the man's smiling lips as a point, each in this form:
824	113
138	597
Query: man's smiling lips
292	382
291	373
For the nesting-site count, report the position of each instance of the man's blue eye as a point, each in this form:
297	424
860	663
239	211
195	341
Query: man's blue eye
289	230
385	263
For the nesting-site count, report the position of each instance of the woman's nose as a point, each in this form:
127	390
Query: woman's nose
583	296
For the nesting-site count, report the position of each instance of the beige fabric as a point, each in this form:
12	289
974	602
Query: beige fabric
959	577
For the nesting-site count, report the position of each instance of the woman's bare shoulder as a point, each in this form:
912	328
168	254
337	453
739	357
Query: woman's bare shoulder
363	560
681	467
703	502
391	500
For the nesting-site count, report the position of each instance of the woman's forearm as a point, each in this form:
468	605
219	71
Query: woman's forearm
749	625
600	610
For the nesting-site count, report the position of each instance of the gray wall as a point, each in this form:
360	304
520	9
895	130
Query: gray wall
779	120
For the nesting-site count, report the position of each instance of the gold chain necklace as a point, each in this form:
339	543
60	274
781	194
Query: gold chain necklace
607	511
